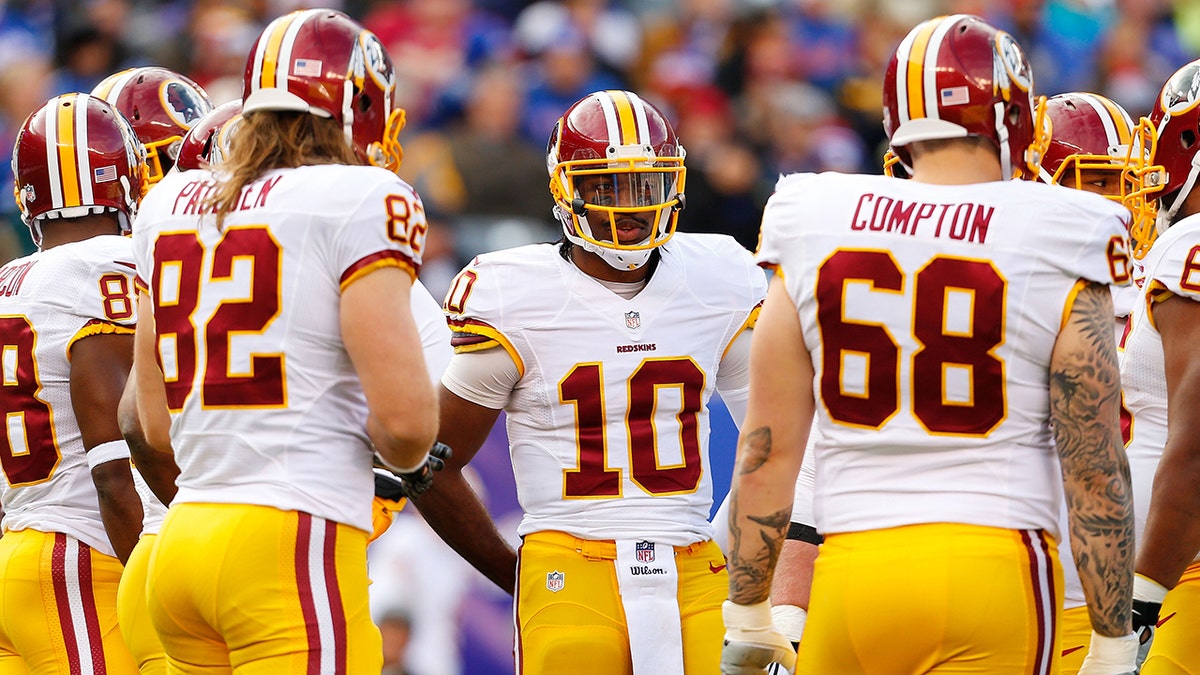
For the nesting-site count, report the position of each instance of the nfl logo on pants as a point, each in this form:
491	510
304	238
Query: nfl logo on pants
644	551
555	581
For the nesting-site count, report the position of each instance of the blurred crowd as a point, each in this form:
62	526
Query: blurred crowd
755	87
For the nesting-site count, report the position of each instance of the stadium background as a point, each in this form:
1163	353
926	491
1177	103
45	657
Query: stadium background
755	88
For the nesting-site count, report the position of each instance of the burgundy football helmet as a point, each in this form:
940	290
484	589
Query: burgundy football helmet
207	141
161	105
75	156
1176	118
322	62
1094	134
956	76
620	138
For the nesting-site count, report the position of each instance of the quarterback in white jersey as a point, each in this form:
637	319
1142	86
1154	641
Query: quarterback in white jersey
940	352
1161	379
66	329
277	314
603	350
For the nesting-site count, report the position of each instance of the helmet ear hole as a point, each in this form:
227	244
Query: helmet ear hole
1187	139
1014	114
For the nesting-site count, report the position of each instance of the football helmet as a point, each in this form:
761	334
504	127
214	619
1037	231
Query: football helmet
613	154
207	141
956	76
1176	119
322	62
1094	134
161	105
75	156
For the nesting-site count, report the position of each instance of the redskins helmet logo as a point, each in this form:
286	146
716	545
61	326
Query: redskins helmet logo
371	59
1182	91
182	103
1011	66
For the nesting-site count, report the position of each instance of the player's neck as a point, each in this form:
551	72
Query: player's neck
957	165
1191	205
68	230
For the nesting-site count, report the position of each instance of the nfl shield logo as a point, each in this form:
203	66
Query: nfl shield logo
633	320
644	551
555	581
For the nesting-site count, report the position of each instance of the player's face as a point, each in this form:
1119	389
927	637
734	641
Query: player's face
623	191
1105	182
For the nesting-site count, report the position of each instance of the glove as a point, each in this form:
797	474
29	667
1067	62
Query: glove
752	642
1147	602
1111	655
414	483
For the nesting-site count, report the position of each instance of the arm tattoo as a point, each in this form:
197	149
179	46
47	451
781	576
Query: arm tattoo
754	550
756	448
1085	400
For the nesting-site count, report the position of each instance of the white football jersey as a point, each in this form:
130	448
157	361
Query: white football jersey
266	407
931	312
608	424
49	300
1172	267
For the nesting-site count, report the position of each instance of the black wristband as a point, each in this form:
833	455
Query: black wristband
805	533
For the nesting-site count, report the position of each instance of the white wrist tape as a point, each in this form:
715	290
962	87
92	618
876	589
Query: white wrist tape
396	469
1112	654
789	619
107	452
747	617
1148	590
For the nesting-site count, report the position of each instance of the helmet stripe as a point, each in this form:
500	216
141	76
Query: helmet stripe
1120	118
931	97
1106	119
625	117
267	61
902	53
643	125
289	41
605	99
50	121
68	167
112	85
81	152
914	76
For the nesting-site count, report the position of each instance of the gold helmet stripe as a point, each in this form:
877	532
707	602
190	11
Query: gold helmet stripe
68	167
110	88
82	155
914	73
626	121
268	60
1124	125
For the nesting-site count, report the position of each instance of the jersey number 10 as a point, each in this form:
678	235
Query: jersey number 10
584	388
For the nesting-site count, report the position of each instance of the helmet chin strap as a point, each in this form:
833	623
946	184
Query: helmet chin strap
618	260
1166	216
1006	166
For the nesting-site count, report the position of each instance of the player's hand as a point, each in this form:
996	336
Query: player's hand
752	642
1147	603
1111	655
388	486
415	483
